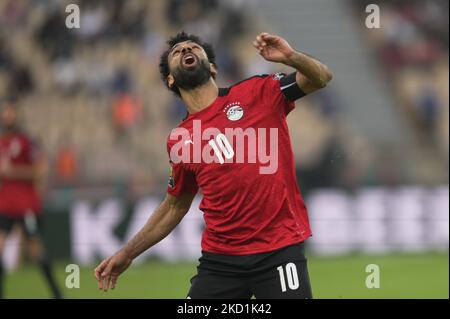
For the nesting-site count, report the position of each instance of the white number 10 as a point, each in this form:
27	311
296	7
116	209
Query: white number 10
221	142
292	277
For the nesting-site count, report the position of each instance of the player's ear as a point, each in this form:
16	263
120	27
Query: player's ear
170	80
213	69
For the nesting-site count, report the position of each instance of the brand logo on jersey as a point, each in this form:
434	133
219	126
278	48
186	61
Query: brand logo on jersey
278	76
234	111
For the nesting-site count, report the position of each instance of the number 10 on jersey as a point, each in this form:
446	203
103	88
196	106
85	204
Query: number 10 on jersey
221	145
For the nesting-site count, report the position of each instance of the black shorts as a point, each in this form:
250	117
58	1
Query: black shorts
30	223
279	274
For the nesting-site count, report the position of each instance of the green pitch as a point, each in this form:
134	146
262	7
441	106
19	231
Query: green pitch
401	276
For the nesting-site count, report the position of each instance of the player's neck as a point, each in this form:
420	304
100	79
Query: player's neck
201	97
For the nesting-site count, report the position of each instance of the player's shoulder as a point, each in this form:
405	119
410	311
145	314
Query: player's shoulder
27	138
250	82
251	79
261	77
18	136
177	133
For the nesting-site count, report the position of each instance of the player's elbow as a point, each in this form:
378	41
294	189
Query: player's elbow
179	206
326	77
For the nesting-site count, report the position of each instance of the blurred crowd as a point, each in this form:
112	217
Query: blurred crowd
411	49
93	97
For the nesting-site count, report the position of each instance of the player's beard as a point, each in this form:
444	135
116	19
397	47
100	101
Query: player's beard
191	78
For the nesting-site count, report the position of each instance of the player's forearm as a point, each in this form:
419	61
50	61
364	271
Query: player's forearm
160	224
315	71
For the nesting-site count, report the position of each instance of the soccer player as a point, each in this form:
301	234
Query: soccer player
22	167
256	220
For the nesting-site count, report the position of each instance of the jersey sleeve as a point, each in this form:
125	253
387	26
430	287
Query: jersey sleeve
281	91
181	180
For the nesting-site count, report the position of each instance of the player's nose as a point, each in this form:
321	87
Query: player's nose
186	48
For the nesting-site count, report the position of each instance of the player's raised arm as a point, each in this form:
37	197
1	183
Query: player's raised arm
165	218
311	73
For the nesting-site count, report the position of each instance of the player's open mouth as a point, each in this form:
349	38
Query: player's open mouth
189	60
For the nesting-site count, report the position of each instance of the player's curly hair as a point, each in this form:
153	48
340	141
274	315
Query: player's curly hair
181	37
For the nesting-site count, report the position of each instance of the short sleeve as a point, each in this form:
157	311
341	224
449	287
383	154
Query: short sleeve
281	91
181	180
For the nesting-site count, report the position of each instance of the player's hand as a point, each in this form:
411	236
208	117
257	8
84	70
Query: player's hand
110	269
273	48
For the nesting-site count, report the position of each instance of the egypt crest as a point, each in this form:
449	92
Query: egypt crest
234	111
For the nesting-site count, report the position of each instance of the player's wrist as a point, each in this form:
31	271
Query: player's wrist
291	58
127	253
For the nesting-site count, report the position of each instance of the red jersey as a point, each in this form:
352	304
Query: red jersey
17	197
238	152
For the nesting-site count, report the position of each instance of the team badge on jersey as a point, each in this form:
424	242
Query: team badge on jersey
234	111
171	179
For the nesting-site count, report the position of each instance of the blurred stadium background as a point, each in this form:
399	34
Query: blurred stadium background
372	149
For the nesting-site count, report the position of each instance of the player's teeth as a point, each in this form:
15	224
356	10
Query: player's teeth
189	60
